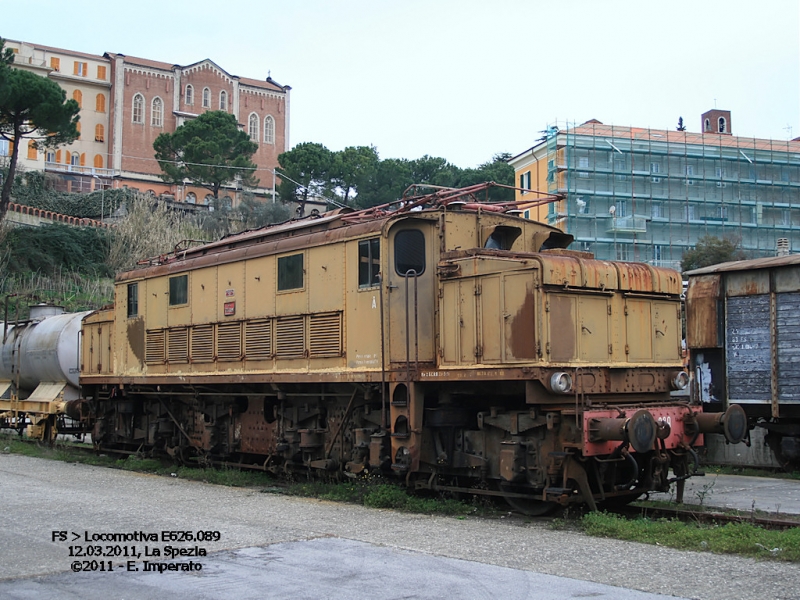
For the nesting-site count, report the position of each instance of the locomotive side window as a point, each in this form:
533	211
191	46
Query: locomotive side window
369	262
290	272
133	300
409	251
178	290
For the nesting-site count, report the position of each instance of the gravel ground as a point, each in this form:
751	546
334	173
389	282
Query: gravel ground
40	496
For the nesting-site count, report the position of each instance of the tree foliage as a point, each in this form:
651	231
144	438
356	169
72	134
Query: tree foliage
210	151
35	108
356	176
711	250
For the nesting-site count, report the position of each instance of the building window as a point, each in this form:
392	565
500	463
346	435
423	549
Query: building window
4	150
409	252
101	72
138	109
100	103
657	253
77	95
657	210
78	129
206	98
723	126
655	168
157	112
50	157
623	252
98	161
178	290
80	69
191	198
252	127
99	133
706	125
582	204
525	181
55	63
583	162
133	300
690	170
621	208
223	100
369	263
189	95
269	130
33	154
75	159
290	272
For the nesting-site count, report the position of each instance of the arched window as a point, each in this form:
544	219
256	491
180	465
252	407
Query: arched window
75	159
78	97
99	133
252	127
722	125
138	109
206	98
191	198
269	130
78	127
50	157
189	95
223	100
157	112
707	125
33	154
98	161
100	103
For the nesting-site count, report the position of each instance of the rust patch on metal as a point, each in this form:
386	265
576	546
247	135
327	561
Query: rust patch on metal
136	338
701	312
562	329
522	342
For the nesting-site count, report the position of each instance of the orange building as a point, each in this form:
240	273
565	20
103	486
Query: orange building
127	102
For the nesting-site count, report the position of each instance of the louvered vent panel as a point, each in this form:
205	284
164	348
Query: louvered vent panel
229	341
325	335
155	347
203	343
178	345
290	337
258	339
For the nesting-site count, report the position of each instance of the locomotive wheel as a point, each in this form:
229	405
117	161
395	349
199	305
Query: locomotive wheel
527	506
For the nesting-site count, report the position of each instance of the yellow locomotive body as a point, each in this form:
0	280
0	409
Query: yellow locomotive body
456	347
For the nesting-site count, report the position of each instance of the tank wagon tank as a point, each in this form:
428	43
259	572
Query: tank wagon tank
743	336
443	340
39	370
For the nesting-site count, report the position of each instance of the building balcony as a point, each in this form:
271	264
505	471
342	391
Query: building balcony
632	224
78	170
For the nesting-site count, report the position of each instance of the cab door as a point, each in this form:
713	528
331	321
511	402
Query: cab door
411	289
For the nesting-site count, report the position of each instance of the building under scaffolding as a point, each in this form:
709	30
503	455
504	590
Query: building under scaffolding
649	195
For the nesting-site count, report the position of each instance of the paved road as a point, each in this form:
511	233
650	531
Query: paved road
282	547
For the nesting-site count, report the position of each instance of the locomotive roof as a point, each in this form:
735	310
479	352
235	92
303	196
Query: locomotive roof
746	265
336	224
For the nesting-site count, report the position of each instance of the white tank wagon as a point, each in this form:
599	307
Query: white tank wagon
39	370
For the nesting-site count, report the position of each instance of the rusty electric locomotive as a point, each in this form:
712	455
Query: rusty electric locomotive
447	342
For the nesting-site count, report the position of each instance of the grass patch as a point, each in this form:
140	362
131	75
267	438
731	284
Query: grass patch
743	539
380	494
750	472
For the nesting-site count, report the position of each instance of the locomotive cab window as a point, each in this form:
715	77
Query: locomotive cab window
369	262
290	272
409	251
178	290
133	300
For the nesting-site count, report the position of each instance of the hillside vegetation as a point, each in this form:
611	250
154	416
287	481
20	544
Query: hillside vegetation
74	267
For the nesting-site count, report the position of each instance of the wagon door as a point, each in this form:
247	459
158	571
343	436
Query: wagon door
410	287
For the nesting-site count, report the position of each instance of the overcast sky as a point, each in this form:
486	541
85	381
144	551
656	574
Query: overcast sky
463	79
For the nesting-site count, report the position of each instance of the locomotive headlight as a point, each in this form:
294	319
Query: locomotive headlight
561	383
680	380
